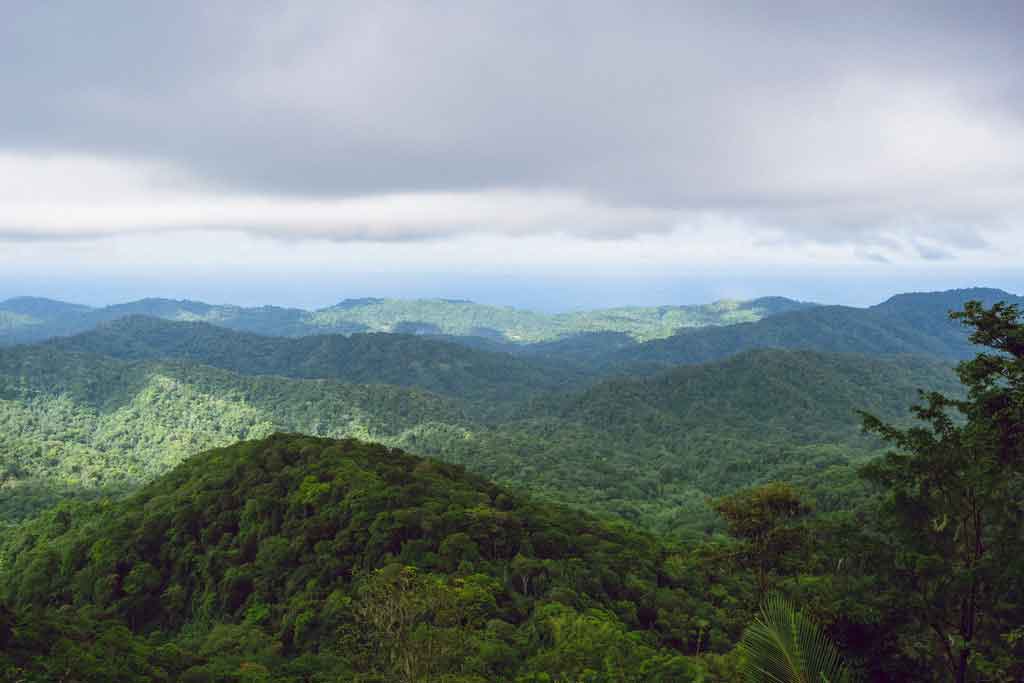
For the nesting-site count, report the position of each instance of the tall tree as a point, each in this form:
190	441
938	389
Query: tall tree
762	518
953	510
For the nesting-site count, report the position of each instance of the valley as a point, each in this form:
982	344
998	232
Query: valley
208	501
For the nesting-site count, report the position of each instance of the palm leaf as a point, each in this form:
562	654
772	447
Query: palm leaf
783	645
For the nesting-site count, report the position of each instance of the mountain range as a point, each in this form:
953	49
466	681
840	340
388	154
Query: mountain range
29	319
124	403
631	340
907	323
486	380
188	502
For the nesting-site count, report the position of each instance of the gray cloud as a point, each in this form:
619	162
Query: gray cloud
873	257
932	253
831	122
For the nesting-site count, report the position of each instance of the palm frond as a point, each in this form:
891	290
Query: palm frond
783	645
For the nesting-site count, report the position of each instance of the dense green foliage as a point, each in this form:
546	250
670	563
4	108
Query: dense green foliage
29	319
78	421
630	340
312	559
296	558
485	379
651	450
648	450
953	514
909	323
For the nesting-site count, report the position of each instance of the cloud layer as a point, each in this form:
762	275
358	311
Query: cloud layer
892	133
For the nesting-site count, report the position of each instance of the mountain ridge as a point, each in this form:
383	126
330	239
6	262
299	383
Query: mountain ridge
912	323
403	360
434	316
637	448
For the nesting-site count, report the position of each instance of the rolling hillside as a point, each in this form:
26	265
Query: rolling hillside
76	422
106	407
648	449
909	323
302	559
29	320
486	380
44	318
465	318
651	450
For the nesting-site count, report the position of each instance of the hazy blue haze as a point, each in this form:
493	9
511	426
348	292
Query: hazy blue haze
857	286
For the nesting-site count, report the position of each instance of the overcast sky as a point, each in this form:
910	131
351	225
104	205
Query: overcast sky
382	141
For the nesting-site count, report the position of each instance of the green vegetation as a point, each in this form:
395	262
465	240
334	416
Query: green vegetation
784	646
483	378
465	318
25	318
41	310
953	513
29	320
652	450
628	341
45	318
71	421
295	558
909	323
649	450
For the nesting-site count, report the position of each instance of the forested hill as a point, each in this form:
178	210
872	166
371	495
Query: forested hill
40	309
485	379
33	319
302	559
910	323
74	422
652	450
803	396
648	450
29	320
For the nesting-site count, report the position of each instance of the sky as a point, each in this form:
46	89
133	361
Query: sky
555	155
